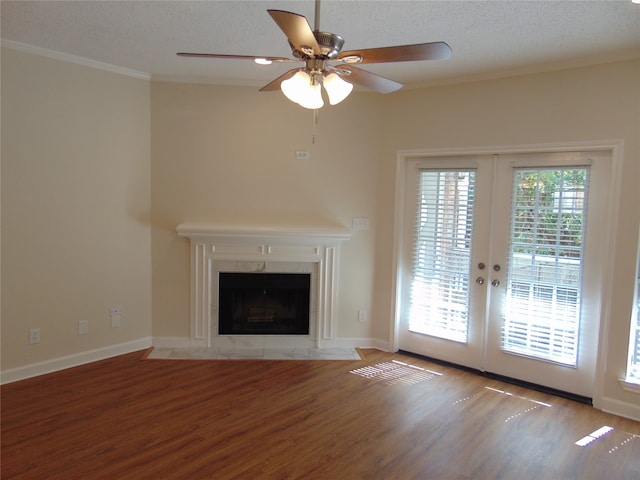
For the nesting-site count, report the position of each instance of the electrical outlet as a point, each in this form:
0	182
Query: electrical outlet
115	313
34	336
302	155
362	316
83	327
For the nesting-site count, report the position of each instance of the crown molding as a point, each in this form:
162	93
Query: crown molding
65	57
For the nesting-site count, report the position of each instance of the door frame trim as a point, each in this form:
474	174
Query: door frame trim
615	147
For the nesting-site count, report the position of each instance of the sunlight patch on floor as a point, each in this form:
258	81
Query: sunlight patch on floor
608	439
625	442
593	436
395	372
504	392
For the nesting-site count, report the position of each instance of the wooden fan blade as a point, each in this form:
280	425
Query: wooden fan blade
368	79
234	57
402	53
275	84
297	30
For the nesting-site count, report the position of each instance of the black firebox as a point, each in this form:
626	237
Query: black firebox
263	303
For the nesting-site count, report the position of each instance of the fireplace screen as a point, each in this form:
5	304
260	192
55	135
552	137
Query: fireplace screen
263	303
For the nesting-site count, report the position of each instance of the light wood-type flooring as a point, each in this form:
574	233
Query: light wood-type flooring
387	416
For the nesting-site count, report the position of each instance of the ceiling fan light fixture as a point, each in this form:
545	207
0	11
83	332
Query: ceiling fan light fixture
294	87
337	89
301	90
312	98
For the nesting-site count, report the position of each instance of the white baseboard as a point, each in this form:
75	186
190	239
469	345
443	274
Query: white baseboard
61	363
623	409
362	343
177	342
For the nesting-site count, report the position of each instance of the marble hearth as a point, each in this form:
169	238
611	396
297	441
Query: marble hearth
280	249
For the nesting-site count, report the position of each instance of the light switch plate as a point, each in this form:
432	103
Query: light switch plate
360	223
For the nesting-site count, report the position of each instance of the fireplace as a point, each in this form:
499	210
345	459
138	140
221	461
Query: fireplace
312	251
263	303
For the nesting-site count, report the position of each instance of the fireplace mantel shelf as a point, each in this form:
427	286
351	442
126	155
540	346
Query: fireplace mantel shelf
204	232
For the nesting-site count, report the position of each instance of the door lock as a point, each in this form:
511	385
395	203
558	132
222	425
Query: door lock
480	280
496	283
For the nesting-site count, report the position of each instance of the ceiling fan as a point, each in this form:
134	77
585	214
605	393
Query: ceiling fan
325	64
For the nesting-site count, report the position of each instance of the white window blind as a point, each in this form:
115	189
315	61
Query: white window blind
442	254
543	298
633	370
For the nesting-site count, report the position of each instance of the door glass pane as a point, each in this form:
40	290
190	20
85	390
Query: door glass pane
442	253
543	295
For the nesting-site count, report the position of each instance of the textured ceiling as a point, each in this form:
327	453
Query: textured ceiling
488	38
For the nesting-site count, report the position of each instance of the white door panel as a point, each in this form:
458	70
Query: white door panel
445	279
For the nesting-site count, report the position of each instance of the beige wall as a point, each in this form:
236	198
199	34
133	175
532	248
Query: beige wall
75	207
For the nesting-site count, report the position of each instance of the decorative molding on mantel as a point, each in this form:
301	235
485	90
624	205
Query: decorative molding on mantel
319	245
296	233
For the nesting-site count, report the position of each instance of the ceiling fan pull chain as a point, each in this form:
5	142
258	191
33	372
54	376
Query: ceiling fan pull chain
315	122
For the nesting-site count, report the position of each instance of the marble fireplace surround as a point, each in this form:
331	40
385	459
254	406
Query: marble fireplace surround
282	249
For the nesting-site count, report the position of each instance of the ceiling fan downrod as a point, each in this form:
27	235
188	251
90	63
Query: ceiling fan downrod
316	17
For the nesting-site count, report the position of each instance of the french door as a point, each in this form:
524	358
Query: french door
501	266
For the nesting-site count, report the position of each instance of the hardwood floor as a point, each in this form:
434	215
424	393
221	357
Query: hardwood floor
135	418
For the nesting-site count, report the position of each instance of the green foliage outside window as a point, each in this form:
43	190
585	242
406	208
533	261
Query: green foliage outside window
549	211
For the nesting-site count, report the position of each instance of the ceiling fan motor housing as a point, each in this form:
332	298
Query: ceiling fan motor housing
330	46
330	43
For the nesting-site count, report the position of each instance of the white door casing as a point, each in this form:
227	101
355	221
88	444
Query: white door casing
484	352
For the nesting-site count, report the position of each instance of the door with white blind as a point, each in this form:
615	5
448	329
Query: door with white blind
444	239
502	264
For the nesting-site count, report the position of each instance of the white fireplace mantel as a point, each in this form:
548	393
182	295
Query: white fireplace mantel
212	244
